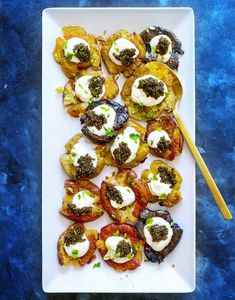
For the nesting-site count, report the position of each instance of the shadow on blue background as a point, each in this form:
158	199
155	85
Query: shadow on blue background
20	164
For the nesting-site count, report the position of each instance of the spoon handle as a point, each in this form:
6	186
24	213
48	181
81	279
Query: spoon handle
205	172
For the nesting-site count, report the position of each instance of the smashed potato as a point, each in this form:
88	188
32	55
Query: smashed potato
68	166
129	213
72	187
145	113
141	153
64	259
133	38
75	106
175	146
174	196
69	68
129	233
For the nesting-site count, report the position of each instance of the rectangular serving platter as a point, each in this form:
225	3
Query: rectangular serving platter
177	272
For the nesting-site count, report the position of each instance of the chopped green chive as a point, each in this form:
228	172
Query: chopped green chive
96	265
150	114
116	233
69	56
99	211
135	137
172	223
149	221
74	253
108	132
159	129
113	216
162	196
105	108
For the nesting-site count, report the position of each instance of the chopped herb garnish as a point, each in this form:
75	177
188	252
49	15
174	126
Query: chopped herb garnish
88	193
105	108
159	129
116	233
74	253
149	221
108	132
162	196
172	223
128	190
59	89
135	137
141	103
99	211
96	265
65	46
167	94
150	114
69	56
113	216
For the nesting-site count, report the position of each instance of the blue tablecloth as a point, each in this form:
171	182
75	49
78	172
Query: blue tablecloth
20	164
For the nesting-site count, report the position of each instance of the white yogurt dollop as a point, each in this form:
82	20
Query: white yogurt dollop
158	188
154	43
83	198
119	45
111	244
155	136
79	249
82	89
157	246
138	95
69	48
127	194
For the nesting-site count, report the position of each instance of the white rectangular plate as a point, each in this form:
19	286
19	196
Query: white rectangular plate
177	272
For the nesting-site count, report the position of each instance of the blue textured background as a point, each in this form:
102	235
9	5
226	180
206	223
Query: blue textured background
20	164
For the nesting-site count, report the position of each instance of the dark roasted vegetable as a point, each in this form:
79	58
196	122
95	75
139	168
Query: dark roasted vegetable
121	118
153	31
152	255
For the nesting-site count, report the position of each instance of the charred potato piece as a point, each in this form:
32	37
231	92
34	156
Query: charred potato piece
120	120
175	195
127	231
64	259
146	113
167	124
72	187
130	213
75	106
153	31
151	254
68	166
69	68
141	153
126	70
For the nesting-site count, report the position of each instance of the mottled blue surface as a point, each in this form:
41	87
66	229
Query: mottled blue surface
20	164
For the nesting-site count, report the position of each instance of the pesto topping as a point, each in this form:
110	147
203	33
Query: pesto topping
126	56
96	85
122	153
163	144
113	194
152	87
123	249
79	211
82	52
167	176
95	120
74	236
162	46
85	166
158	233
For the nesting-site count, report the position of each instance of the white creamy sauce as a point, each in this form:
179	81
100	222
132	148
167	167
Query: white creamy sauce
79	249
83	198
71	43
153	44
109	114
82	148
111	244
82	89
157	246
139	96
128	136
118	46
155	136
159	188
127	194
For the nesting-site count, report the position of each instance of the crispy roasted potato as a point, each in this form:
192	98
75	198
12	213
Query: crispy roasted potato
69	68
141	153
153	31
70	169
64	259
75	106
152	255
130	213
175	196
126	70
72	187
123	230
169	125
146	113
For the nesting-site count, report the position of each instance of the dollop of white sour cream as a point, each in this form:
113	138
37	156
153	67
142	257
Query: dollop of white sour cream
159	188
155	136
154	43
127	195
111	244
79	249
83	198
82	89
70	44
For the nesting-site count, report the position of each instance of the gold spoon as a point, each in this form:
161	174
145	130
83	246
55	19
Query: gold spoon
178	90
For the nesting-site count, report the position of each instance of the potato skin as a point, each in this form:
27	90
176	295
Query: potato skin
169	125
75	107
70	169
129	230
64	259
74	186
71	69
153	31
141	153
131	213
145	113
158	256
126	70
175	196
